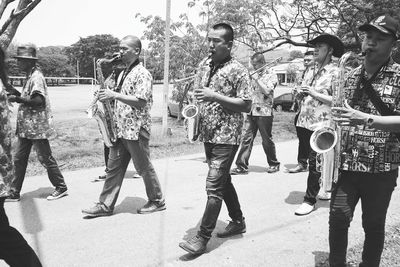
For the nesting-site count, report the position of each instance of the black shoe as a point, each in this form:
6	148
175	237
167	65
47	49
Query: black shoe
196	245
298	168
13	197
151	207
97	211
238	171
233	228
58	193
272	169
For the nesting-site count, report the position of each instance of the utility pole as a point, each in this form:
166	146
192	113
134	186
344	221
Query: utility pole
166	71
77	71
94	69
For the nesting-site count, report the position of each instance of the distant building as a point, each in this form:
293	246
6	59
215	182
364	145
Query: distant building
287	72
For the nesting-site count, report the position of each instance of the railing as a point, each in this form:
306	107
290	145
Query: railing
19	80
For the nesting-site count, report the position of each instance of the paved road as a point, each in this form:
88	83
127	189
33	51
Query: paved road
275	237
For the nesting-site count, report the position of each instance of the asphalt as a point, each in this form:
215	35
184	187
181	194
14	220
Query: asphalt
275	236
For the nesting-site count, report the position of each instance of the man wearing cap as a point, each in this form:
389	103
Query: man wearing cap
315	108
302	133
34	126
370	144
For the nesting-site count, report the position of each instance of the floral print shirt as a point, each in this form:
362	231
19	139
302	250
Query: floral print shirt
365	149
263	104
130	120
6	166
313	111
35	122
219	125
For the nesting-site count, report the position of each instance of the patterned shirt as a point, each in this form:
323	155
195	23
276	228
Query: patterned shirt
219	125
366	149
35	122
130	120
313	111
6	166
263	104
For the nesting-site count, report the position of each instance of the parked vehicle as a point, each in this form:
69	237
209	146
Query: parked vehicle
283	102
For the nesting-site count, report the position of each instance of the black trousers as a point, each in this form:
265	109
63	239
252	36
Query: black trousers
14	249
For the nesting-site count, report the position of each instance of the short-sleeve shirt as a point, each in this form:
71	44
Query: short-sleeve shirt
219	125
35	122
262	104
313	111
6	166
365	149
130	120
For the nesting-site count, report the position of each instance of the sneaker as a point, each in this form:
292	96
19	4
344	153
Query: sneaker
196	245
233	228
151	207
238	171
57	193
102	177
13	197
298	168
136	175
97	211
324	196
272	169
304	209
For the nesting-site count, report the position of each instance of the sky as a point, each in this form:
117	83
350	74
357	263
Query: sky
62	22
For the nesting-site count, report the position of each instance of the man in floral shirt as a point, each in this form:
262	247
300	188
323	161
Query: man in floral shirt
222	89
132	111
34	126
259	119
370	151
14	249
316	106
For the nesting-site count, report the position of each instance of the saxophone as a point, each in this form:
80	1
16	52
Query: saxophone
325	140
102	111
191	114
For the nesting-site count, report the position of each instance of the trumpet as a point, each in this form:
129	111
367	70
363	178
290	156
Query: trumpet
325	140
267	65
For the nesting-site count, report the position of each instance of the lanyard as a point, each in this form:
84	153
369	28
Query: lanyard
126	72
214	69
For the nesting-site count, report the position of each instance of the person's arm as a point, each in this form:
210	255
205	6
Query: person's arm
232	103
267	85
34	101
348	116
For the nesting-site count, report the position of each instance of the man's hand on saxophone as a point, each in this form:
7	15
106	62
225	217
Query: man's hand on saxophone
204	94
107	94
346	115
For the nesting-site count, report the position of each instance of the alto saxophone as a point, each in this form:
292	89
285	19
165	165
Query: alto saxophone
191	115
325	140
104	115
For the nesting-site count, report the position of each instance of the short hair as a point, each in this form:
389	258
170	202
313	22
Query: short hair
309	53
229	35
133	41
258	57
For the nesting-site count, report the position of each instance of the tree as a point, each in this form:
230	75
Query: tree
86	50
54	62
295	54
10	25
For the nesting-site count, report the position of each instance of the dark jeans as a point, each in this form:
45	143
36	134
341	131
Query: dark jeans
106	153
254	124
43	151
304	148
375	191
14	249
219	186
313	184
120	154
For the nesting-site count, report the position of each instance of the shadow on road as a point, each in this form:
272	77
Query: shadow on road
295	198
130	205
321	258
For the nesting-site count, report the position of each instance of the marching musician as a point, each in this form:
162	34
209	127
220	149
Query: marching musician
132	112
315	108
260	119
370	144
34	126
222	85
14	249
304	148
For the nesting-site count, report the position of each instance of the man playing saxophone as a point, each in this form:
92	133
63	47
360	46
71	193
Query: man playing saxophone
369	144
133	120
223	88
315	108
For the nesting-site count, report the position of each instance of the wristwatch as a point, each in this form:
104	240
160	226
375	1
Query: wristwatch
369	122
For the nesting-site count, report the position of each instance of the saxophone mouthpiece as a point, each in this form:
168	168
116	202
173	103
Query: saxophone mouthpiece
363	54
116	56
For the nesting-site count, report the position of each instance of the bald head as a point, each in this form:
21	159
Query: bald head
133	42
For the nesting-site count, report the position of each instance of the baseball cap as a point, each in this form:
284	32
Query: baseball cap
385	24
